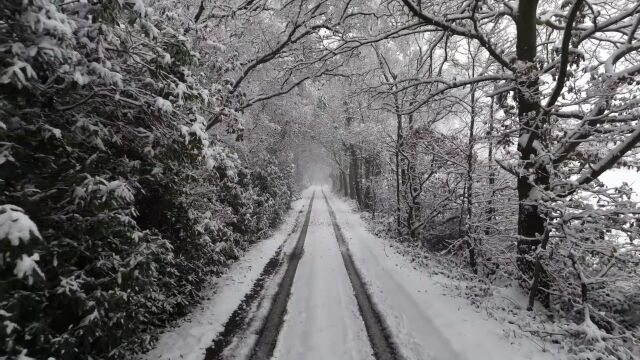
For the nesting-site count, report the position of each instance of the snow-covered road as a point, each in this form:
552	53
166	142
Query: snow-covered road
324	319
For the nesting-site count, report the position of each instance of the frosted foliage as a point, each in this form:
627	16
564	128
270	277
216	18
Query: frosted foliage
105	132
16	74
23	356
101	189
120	190
163	105
26	266
16	226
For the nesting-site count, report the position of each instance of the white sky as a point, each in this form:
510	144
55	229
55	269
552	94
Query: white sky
615	177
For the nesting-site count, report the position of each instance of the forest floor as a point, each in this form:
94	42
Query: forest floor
323	287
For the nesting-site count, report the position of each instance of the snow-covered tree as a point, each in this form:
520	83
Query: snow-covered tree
117	204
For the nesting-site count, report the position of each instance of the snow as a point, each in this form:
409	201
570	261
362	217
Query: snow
140	8
189	339
89	318
180	90
121	190
617	177
15	225
425	318
50	130
26	265
426	322
322	321
166	59
163	105
15	72
5	155
9	326
110	77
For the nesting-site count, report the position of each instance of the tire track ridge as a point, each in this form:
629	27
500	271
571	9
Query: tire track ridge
268	335
238	319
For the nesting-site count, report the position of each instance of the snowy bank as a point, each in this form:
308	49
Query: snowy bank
189	339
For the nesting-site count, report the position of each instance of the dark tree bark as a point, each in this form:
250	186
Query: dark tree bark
344	183
411	180
492	175
531	221
354	177
397	171
368	190
389	76
471	245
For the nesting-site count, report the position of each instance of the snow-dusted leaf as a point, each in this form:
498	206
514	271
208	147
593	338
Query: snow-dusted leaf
16	226
163	105
26	266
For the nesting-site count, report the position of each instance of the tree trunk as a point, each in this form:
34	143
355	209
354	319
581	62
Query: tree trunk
412	190
354	177
531	222
397	169
471	245
492	175
352	174
367	201
344	184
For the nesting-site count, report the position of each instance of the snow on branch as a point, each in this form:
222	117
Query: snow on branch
16	226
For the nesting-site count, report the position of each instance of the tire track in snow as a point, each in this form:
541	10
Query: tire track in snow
268	337
237	321
379	336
